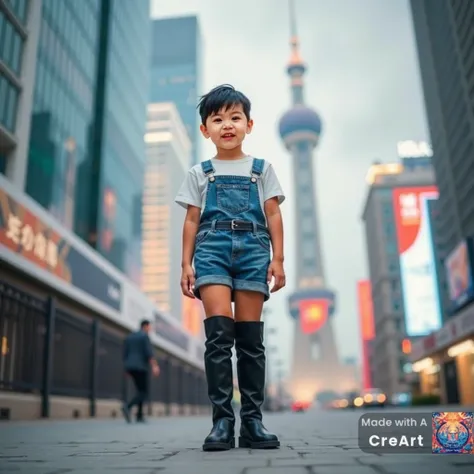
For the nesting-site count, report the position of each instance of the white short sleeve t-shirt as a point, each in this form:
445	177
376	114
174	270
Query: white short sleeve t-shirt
194	188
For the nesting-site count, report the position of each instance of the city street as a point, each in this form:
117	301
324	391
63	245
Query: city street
315	442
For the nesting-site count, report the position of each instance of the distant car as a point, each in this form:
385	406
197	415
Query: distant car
299	406
347	400
373	397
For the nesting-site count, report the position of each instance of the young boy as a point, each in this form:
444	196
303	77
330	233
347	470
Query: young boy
233	216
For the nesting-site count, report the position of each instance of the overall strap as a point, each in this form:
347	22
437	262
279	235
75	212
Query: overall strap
208	169
257	168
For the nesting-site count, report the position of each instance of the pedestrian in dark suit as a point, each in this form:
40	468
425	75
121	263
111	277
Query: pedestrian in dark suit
138	358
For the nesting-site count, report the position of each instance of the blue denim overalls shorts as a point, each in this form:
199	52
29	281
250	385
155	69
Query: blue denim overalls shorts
232	245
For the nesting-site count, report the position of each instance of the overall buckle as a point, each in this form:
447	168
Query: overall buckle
234	224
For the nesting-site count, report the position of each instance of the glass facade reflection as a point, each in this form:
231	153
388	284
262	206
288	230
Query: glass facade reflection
63	105
176	70
87	154
13	16
122	147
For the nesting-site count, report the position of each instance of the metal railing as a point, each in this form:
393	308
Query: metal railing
47	350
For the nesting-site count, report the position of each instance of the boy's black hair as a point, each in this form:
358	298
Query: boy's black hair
143	323
223	96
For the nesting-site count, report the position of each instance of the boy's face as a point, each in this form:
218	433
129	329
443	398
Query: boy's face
227	128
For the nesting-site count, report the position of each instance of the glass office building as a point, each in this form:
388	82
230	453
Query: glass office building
12	24
86	152
176	70
13	35
445	45
63	105
122	112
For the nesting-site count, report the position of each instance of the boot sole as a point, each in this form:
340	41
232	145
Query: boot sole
246	443
218	446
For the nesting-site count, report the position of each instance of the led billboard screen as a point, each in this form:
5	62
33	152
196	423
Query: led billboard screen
313	315
459	274
417	259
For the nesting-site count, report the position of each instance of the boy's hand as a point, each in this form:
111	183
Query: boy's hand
276	270
187	281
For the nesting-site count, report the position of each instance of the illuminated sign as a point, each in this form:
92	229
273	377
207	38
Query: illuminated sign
412	149
22	232
417	259
459	274
313	314
367	329
366	312
382	169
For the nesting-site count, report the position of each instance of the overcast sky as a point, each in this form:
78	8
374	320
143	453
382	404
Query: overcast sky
363	80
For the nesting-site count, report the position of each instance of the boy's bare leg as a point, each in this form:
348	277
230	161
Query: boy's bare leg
216	300
219	326
248	306
251	370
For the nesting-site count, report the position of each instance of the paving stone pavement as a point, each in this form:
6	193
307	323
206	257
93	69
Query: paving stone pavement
316	442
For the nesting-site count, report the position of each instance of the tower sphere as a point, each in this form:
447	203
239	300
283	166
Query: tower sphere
300	118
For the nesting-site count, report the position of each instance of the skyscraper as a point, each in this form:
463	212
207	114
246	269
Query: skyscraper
176	70
19	32
444	38
443	32
63	103
86	157
119	157
316	366
168	152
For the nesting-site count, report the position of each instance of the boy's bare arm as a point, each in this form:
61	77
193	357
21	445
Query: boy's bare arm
190	228
275	226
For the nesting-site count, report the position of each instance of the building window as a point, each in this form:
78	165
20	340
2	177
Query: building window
396	305
10	46
393	267
398	325
19	8
391	248
3	164
388	230
9	101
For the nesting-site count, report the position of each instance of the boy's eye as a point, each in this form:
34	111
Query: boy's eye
236	118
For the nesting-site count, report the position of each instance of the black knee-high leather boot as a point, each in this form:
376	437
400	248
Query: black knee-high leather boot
251	373
219	332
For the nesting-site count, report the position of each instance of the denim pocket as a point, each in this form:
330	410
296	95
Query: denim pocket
233	198
201	237
263	239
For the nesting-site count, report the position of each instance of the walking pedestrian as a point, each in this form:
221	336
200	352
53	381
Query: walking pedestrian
138	359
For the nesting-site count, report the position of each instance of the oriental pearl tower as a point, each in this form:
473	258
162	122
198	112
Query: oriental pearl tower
315	367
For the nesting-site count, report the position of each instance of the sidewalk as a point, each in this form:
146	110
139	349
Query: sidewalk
312	443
